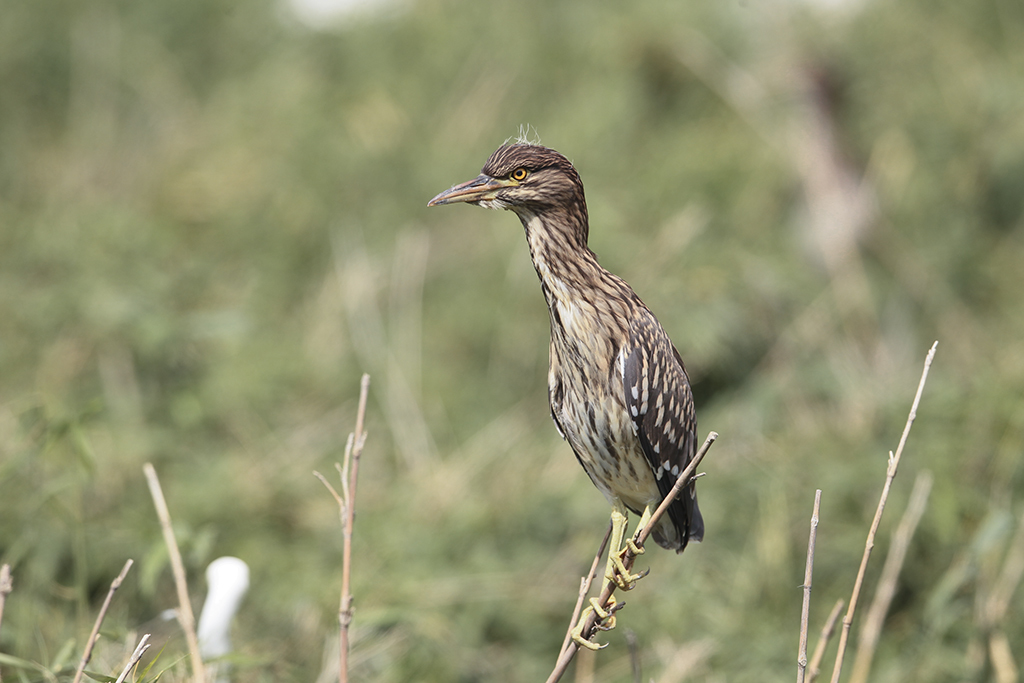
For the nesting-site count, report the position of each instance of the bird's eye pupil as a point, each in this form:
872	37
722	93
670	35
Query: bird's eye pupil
519	174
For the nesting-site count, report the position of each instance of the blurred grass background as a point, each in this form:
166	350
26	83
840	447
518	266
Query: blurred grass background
212	221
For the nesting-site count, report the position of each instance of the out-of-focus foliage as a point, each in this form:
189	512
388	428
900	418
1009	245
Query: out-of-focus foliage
212	221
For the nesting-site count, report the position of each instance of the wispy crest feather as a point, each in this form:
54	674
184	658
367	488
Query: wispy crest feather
528	135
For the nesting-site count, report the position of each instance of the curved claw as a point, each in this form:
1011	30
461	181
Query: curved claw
589	644
577	633
621	576
605	621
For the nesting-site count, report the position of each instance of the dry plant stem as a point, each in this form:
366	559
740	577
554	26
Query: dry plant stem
801	657
628	558
872	627
345	608
95	635
585	584
6	586
894	462
136	656
814	668
349	473
185	616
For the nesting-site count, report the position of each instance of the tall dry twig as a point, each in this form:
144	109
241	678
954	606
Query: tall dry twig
6	586
801	657
894	462
590	625
134	659
814	667
349	473
95	635
871	630
185	616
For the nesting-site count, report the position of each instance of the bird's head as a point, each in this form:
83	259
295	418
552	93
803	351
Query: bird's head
527	179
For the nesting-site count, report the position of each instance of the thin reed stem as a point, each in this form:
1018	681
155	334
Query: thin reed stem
95	635
894	462
801	658
185	616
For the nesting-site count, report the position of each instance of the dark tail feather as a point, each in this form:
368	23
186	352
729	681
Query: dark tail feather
696	524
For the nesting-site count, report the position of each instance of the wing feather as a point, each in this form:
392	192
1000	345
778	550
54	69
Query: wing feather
660	402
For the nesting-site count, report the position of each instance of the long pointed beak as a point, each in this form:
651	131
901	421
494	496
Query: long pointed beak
481	188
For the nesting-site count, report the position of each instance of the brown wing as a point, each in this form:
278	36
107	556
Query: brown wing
660	402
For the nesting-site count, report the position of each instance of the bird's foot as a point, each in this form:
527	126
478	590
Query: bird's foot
617	572
604	621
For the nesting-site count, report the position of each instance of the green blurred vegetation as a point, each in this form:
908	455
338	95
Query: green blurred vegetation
212	221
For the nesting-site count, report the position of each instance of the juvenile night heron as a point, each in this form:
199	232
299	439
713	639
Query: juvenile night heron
618	390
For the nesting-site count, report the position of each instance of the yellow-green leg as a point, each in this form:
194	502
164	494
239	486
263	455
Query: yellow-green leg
616	571
605	621
645	519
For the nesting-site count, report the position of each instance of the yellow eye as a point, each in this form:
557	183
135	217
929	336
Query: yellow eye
519	174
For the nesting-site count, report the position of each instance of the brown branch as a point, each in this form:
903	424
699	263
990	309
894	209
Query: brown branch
136	656
814	668
585	583
349	473
95	635
801	657
185	616
894	462
871	630
589	626
345	607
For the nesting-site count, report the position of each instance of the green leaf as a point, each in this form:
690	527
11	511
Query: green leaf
20	663
153	661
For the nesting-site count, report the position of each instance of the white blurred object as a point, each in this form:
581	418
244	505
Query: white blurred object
325	14
228	580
